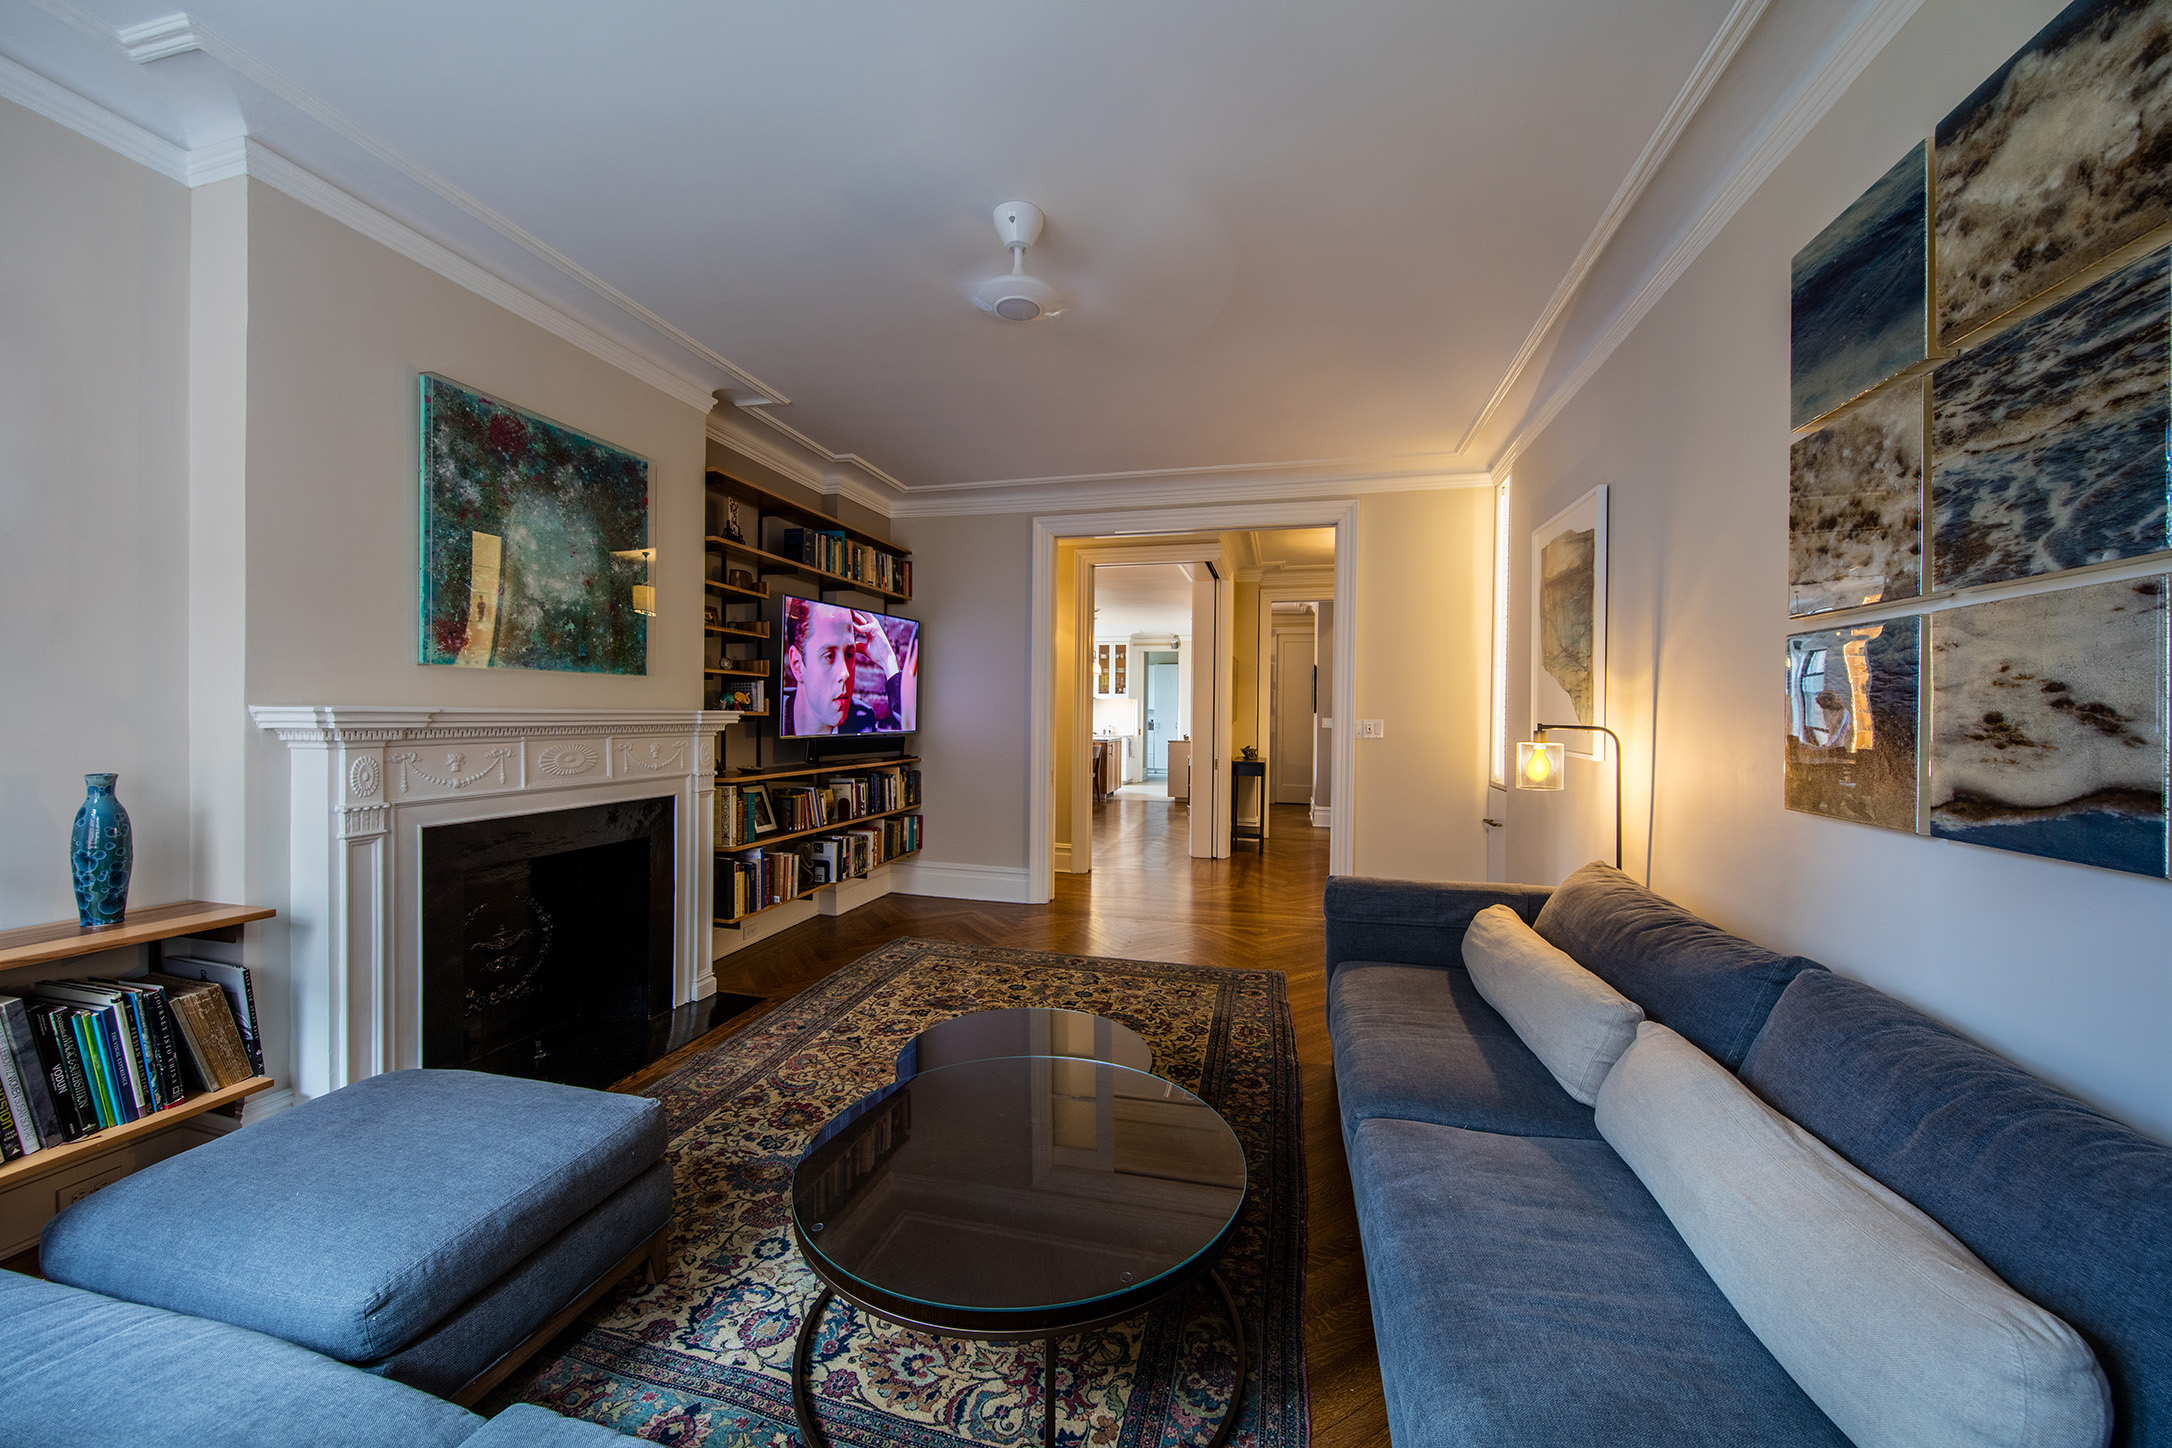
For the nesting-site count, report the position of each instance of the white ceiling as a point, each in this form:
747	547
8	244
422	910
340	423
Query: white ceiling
1295	233
1141	598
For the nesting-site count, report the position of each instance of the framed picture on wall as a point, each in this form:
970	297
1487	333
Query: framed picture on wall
1568	622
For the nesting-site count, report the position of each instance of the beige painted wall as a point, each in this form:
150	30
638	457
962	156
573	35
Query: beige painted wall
971	585
93	510
2062	967
1424	600
1247	726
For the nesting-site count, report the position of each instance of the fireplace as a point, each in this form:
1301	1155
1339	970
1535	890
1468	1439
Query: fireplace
546	940
368	783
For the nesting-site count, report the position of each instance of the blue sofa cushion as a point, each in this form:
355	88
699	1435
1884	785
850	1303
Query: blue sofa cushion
357	1221
1414	922
1421	1044
524	1425
496	1320
1528	1293
2071	1208
86	1369
1689	975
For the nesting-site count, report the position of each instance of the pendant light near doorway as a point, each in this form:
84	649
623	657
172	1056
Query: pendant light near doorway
1018	297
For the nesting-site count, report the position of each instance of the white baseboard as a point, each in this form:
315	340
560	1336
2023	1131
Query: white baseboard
1323	817
1060	857
852	894
960	882
266	1103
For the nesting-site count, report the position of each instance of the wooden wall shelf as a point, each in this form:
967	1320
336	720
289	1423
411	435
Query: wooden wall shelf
767	502
843	766
834	827
63	939
67	1154
774	563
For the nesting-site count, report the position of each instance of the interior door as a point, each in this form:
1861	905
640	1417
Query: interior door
1161	694
1289	747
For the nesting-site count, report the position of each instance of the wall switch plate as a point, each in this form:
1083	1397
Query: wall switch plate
1372	729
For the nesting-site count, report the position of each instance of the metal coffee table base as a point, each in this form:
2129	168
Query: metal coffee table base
810	1429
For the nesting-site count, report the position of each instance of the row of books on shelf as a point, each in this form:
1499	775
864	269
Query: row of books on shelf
836	553
746	812
761	878
77	1056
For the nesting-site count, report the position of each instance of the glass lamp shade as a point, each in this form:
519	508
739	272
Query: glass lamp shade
1539	765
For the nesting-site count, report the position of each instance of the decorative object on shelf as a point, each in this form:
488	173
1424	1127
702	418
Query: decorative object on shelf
2049	440
1860	294
101	854
534	539
1855	506
2055	162
1853	696
765	820
1543	766
1249	753
740	578
1568	615
712	615
2048	730
733	530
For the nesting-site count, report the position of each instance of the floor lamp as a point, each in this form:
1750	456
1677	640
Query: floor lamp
1540	765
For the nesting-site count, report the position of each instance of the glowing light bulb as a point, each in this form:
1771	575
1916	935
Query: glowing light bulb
1538	767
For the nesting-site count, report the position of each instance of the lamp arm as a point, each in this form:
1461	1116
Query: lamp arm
1540	733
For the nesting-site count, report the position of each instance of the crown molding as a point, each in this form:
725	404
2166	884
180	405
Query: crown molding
1269	483
792	453
1710	66
848	474
157	39
1873	24
313	191
85	117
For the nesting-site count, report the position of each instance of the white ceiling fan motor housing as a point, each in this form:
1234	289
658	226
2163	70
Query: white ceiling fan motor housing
1018	297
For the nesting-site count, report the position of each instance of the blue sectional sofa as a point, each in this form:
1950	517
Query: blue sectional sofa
1528	1290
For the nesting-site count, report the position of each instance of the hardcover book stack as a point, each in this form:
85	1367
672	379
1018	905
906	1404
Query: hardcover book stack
78	1056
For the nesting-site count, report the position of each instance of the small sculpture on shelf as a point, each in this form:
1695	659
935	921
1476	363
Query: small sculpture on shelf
732	530
1249	754
101	854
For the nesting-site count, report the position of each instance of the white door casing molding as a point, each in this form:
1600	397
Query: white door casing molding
1341	514
367	780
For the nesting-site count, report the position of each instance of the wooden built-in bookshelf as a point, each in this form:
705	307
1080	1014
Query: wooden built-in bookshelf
66	940
739	652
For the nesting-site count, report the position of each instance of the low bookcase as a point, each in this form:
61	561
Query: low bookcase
34	1188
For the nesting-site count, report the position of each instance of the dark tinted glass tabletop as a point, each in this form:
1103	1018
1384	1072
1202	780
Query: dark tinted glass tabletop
1024	1031
1018	1185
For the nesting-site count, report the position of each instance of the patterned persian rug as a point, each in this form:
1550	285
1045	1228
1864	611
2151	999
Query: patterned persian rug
705	1356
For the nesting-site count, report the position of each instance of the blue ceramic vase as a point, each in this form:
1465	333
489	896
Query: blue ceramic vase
101	852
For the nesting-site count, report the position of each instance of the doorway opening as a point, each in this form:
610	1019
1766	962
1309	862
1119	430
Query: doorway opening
1191	694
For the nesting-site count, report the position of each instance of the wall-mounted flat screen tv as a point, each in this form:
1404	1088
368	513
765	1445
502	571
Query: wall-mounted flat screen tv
847	671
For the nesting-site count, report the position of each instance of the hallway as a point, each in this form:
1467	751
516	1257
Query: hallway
1148	899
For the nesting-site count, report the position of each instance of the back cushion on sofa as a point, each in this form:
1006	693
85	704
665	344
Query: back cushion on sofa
1714	988
2069	1206
1574	1022
1892	1327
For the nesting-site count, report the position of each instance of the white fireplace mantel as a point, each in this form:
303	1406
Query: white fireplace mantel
368	780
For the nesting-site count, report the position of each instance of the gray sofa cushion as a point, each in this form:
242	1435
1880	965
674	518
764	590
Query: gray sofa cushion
363	1217
1689	975
1421	1044
1413	922
2071	1208
86	1369
1528	1293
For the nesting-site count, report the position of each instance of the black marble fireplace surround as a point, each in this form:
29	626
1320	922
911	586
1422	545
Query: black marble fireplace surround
546	941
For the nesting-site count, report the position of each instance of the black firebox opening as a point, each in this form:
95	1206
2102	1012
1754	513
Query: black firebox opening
546	941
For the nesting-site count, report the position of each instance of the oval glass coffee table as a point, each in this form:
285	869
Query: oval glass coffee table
1016	1198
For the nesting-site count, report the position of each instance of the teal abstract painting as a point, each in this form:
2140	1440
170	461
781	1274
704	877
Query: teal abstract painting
535	541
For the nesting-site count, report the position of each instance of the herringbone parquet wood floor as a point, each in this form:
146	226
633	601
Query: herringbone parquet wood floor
1148	900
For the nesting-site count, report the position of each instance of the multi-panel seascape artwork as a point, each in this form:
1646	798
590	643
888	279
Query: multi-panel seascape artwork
1860	298
2058	160
2048	441
2048	724
1855	506
2014	478
534	538
1852	701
